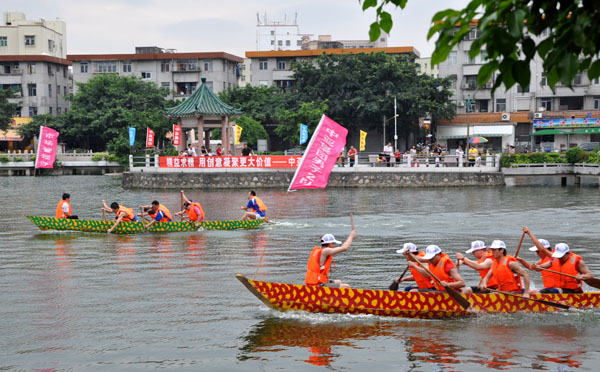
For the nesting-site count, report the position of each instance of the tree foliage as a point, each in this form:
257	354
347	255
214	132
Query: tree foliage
308	113
7	109
252	130
564	34
257	102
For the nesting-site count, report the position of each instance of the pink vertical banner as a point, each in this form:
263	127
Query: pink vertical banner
46	152
320	156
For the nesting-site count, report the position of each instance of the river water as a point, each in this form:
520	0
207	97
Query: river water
94	302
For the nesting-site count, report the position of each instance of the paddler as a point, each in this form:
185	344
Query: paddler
63	209
319	262
442	267
506	271
542	248
194	211
567	262
255	209
483	264
423	282
158	212
122	214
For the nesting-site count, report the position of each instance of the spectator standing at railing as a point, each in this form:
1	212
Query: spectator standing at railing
352	152
398	156
413	156
473	153
459	155
388	150
219	150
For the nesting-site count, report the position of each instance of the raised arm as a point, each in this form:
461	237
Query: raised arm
537	243
105	207
474	264
342	248
184	198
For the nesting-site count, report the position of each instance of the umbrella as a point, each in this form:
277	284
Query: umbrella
478	140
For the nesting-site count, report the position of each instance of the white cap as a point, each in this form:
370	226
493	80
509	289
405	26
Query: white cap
544	242
328	239
475	245
431	251
407	247
497	244
560	250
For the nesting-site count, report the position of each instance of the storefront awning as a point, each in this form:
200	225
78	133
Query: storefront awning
448	132
10	135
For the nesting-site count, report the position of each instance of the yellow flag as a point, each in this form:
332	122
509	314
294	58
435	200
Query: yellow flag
363	141
238	134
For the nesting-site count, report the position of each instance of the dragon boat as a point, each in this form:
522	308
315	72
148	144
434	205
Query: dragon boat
63	224
424	305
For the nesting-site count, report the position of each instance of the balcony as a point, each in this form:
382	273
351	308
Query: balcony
12	72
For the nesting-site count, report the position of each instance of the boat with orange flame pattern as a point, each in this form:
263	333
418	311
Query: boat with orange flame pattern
425	305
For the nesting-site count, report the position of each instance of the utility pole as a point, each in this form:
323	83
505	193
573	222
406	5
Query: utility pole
468	103
395	127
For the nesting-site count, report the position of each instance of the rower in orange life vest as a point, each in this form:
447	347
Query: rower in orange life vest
123	214
158	212
567	262
319	262
542	248
193	210
422	281
442	267
63	209
255	209
506	271
483	264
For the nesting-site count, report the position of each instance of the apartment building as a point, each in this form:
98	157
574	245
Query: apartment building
425	67
514	116
181	73
33	64
274	67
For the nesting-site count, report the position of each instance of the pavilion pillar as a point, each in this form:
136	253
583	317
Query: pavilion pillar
225	135
207	139
200	126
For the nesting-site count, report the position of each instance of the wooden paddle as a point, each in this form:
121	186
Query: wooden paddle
451	291
394	285
545	302
593	282
520	243
352	221
181	206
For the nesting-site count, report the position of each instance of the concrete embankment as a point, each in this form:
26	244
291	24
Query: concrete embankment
282	179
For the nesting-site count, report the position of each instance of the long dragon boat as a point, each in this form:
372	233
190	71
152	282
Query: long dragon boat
425	305
51	223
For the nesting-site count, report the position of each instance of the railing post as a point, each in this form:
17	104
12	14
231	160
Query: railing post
130	162
460	162
156	161
147	160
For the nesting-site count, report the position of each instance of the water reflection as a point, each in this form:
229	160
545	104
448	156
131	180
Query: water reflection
195	246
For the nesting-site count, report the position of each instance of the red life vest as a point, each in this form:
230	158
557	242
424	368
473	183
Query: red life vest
440	272
59	209
167	215
422	282
315	273
506	278
129	215
192	213
571	267
492	283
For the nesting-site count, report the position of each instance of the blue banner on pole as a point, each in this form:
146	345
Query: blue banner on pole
131	136
303	133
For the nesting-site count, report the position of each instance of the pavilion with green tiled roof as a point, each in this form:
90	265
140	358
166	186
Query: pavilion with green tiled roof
204	111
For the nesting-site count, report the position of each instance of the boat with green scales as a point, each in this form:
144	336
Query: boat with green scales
63	224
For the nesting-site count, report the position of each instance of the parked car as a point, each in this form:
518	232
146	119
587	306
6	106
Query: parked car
589	146
294	151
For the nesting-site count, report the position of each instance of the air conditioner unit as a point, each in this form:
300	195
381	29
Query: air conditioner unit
505	116
461	103
537	115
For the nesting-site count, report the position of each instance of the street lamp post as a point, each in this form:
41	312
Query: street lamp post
395	127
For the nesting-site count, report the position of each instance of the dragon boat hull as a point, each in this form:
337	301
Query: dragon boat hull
426	305
51	223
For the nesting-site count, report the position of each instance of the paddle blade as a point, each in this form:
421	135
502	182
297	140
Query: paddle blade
593	282
458	298
394	286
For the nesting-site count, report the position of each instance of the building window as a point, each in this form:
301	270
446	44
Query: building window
243	78
288	43
209	85
263	83
58	90
58	110
146	75
279	42
165	66
3	41
126	67
208	66
577	79
106	67
50	110
65	92
31	68
281	65
30	40
166	84
546	104
50	70
544	81
83	67
51	45
452	58
31	90
32	111
473	34
470	61
521	90
272	33
298	42
596	102
501	105
49	90
263	64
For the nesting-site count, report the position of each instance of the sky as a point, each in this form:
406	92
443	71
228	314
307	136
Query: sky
118	26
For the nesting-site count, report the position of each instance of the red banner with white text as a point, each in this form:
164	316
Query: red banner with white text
149	137
219	162
176	134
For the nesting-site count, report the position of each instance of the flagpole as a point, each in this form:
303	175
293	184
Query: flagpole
312	139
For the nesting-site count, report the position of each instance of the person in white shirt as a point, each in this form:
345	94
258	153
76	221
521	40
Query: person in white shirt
388	150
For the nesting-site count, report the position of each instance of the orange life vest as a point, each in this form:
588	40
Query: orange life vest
440	273
192	214
506	278
422	282
59	209
571	267
129	215
315	273
261	206
492	282
549	280
167	215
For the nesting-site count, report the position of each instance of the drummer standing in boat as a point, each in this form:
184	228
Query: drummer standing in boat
255	209
157	211
123	214
63	209
320	259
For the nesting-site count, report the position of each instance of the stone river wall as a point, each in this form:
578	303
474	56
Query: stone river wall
281	179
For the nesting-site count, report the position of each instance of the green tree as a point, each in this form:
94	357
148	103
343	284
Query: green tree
360	89
308	113
566	36
32	129
252	130
260	103
7	109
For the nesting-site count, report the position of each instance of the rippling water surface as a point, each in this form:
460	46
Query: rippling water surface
86	301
